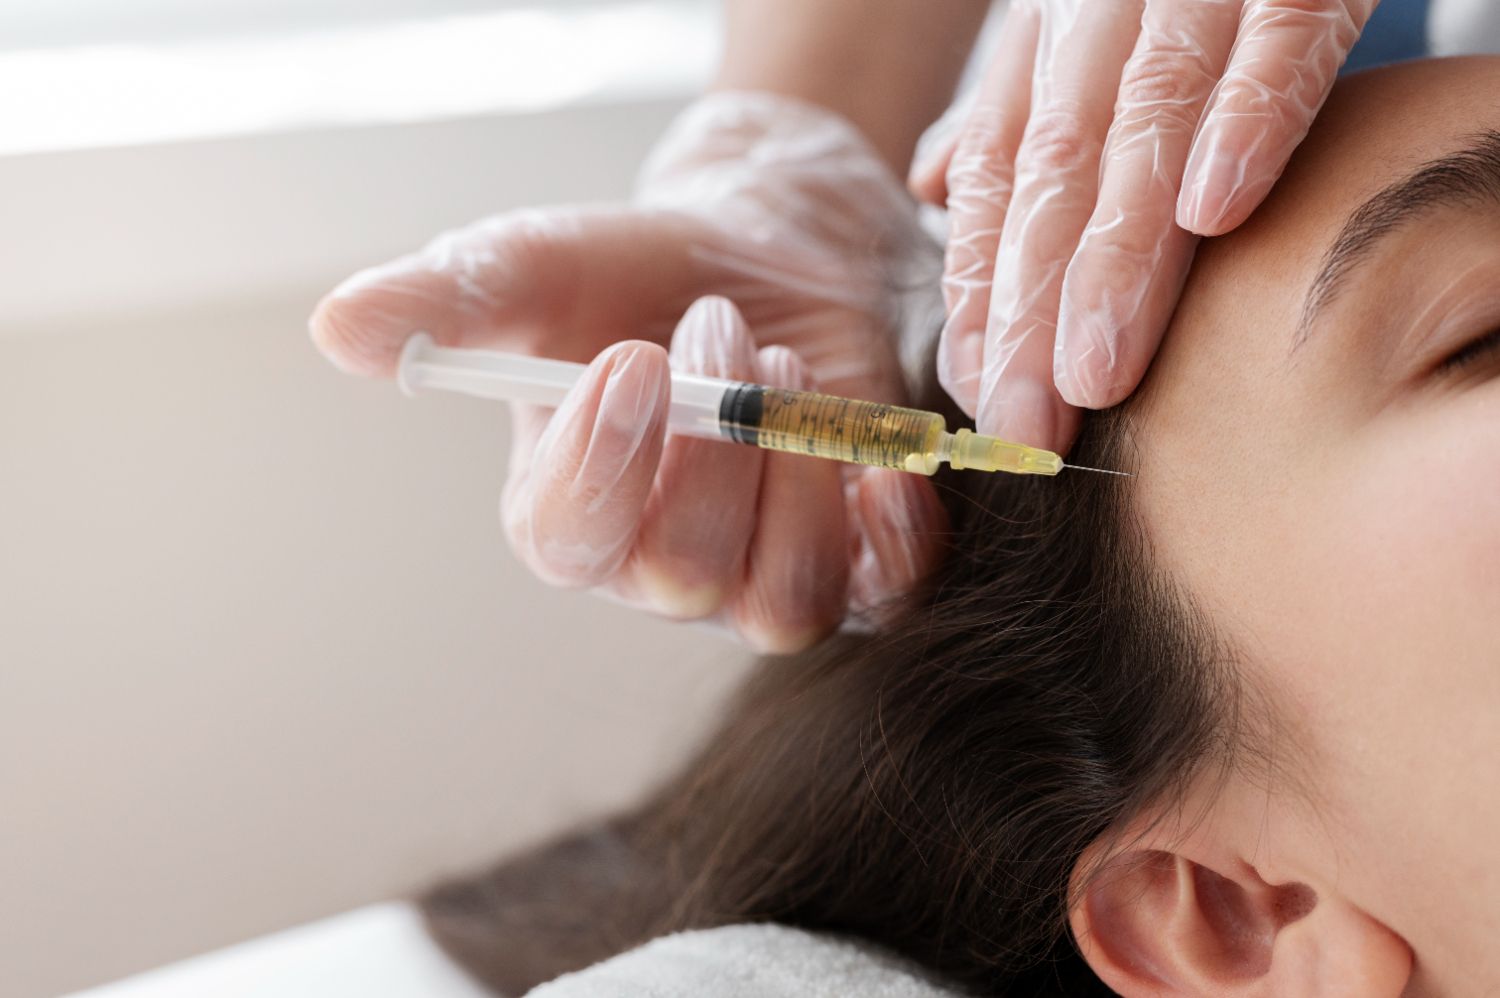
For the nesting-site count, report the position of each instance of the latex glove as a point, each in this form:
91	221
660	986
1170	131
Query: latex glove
778	207
1105	138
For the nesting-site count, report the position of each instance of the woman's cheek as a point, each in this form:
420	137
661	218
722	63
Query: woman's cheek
1411	543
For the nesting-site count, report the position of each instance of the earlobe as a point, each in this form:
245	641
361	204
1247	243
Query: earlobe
1155	922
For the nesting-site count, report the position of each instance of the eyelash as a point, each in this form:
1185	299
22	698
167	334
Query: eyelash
1475	351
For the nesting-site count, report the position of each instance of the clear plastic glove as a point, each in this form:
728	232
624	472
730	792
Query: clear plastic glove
775	206
1105	138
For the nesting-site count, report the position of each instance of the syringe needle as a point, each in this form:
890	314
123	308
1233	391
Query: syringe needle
1098	471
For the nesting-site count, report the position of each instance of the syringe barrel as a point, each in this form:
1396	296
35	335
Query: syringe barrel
798	422
510	377
503	377
697	401
868	433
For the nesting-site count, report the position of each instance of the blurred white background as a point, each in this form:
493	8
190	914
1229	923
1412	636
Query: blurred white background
263	654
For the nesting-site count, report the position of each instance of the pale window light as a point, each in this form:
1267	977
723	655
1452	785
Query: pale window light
310	68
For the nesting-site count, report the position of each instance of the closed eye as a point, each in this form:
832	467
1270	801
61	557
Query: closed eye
1484	348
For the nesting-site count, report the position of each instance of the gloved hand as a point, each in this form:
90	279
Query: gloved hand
778	207
1103	138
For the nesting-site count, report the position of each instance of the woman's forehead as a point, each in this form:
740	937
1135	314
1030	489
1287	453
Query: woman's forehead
1222	369
1227	409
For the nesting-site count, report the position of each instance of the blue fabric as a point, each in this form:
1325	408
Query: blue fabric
1397	30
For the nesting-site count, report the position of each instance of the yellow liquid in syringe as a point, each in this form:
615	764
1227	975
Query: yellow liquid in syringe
869	433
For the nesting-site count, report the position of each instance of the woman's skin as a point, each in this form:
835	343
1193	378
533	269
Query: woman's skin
1329	495
889	67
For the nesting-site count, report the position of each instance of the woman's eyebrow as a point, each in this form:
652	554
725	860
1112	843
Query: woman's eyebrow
1469	175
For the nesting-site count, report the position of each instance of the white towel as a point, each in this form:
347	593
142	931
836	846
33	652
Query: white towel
749	961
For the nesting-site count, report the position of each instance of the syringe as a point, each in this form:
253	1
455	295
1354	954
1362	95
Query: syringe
799	422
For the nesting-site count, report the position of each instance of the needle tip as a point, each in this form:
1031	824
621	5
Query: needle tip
1098	471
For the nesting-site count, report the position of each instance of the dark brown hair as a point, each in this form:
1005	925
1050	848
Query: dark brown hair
931	787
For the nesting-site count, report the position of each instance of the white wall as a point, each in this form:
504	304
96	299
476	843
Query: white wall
263	654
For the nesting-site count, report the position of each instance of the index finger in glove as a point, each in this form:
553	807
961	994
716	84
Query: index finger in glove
980	179
1083	51
1128	269
1284	65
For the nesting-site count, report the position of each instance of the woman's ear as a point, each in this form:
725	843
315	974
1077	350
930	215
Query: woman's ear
1161	922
